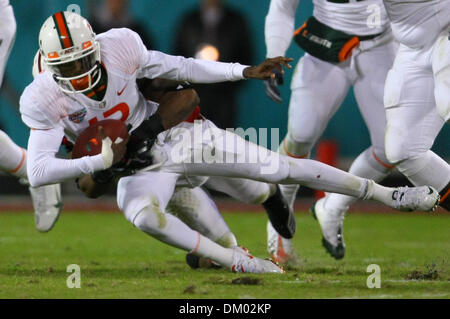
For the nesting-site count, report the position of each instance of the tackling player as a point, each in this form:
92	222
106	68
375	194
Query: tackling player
90	78
13	159
417	91
416	96
352	53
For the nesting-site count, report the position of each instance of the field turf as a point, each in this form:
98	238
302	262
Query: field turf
119	261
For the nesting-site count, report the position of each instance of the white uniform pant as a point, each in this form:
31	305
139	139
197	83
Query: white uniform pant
417	99
319	88
193	152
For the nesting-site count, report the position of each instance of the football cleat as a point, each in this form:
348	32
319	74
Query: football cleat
280	215
423	198
47	205
246	263
279	248
196	262
332	224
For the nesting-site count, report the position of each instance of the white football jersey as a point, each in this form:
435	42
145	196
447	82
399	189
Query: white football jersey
417	23
364	17
52	113
43	105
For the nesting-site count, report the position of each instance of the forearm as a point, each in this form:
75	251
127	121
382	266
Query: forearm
279	26
44	168
176	106
178	68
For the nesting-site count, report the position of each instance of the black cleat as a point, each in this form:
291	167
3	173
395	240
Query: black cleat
280	216
196	262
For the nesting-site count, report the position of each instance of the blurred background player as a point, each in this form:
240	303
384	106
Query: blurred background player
110	14
417	91
13	159
216	32
361	53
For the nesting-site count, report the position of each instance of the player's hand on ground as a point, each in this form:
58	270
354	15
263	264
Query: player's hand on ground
112	153
272	84
265	70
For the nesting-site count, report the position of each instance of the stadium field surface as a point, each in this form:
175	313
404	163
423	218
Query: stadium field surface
117	260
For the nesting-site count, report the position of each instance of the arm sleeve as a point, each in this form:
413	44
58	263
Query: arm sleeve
44	168
160	65
132	54
279	26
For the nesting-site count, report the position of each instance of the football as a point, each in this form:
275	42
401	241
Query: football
89	142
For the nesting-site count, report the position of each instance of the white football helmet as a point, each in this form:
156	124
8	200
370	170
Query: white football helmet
69	50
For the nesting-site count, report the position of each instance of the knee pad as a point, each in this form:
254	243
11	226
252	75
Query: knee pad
150	219
393	88
296	147
228	240
442	94
395	147
256	192
441	69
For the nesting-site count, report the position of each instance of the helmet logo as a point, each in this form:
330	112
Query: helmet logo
86	44
53	55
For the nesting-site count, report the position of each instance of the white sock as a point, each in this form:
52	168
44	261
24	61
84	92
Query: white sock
209	249
379	193
171	230
365	165
12	157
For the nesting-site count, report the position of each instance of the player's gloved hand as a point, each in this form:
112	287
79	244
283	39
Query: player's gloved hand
139	156
103	177
272	84
112	153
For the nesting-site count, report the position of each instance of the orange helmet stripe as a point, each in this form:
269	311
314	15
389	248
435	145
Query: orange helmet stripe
63	31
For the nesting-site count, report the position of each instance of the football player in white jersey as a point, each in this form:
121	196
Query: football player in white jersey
91	77
13	159
417	91
193	205
177	101
357	51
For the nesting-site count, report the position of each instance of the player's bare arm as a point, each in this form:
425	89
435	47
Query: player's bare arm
265	70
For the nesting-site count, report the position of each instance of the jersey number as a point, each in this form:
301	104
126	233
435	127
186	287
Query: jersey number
122	108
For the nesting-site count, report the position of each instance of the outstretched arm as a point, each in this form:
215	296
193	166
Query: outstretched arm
160	65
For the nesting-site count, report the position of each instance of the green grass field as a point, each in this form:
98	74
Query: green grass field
119	261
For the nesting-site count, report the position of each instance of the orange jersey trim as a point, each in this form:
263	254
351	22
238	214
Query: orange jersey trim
292	155
381	162
15	170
